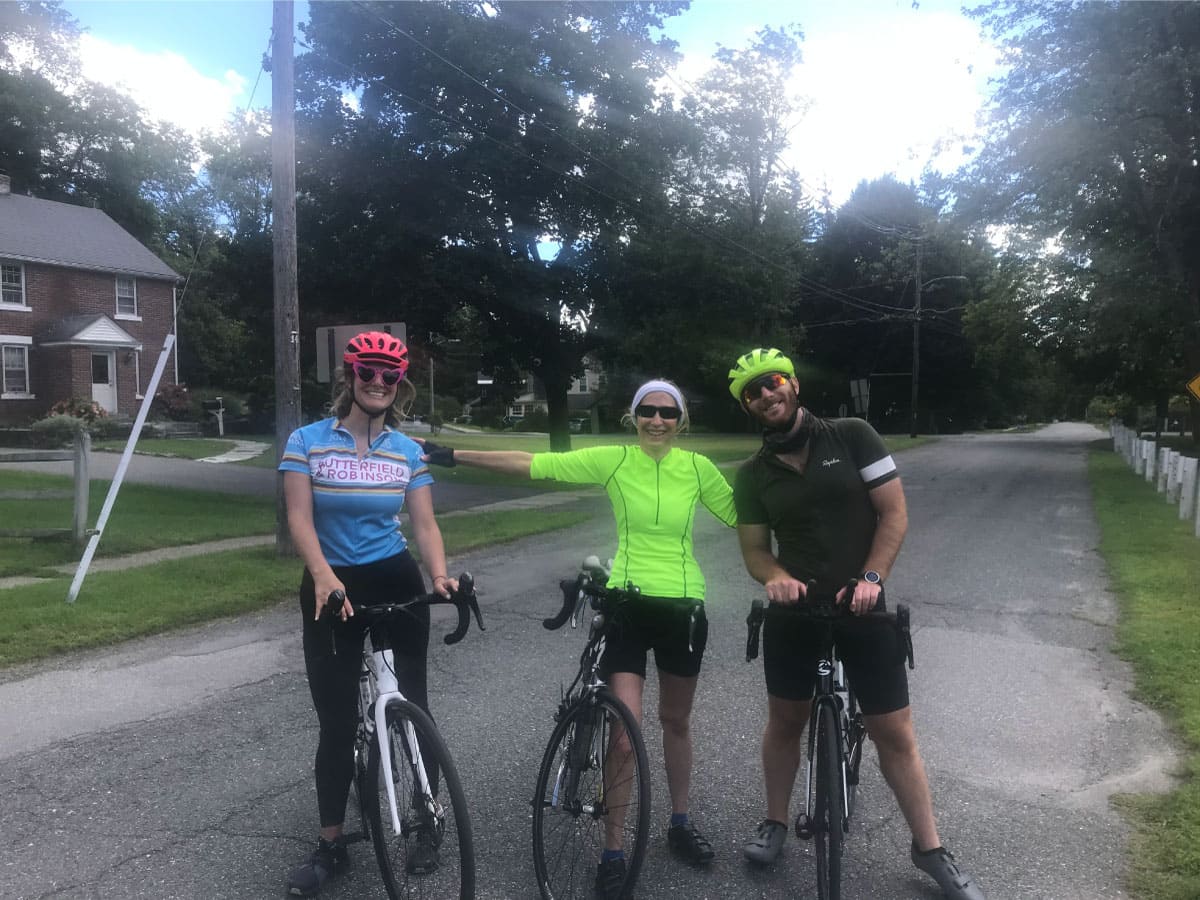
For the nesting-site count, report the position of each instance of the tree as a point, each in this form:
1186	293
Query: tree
1092	145
487	133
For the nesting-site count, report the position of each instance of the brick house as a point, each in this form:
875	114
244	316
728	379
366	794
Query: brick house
84	309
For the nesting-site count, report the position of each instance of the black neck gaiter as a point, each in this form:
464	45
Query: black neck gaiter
782	440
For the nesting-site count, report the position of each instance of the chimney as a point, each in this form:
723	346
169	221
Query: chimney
5	184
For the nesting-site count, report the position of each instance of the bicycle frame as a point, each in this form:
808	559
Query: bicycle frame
381	669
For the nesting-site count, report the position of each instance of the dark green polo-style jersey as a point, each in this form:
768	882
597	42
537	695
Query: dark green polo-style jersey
822	519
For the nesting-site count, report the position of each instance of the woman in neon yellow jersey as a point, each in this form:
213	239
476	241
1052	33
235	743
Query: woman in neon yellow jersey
654	488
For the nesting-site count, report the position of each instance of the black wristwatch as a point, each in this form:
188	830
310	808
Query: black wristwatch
872	577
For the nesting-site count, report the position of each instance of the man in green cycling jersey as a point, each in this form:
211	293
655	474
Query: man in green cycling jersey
829	493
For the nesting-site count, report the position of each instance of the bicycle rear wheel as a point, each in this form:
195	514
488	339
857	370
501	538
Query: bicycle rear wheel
593	791
827	805
433	855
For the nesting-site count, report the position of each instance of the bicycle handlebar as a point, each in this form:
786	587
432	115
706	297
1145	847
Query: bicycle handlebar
463	599
825	608
589	583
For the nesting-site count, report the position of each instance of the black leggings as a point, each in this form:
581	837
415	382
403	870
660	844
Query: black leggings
333	678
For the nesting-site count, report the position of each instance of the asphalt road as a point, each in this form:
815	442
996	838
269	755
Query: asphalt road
180	766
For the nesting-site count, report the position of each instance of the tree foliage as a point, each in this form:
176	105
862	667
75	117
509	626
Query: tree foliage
1093	145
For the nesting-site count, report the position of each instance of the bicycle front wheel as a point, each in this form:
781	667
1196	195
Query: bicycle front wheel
593	792
828	813
433	853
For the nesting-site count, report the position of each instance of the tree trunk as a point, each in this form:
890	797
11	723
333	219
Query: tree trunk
557	409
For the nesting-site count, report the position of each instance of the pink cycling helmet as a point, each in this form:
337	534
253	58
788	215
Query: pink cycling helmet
377	347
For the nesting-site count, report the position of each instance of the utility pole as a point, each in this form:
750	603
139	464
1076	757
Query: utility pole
283	229
916	351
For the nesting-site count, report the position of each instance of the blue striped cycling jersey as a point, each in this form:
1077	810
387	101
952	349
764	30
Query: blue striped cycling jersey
356	502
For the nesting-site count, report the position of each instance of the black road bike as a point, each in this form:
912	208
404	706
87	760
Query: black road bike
410	797
593	788
836	731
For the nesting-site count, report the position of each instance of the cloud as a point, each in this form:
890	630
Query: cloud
165	84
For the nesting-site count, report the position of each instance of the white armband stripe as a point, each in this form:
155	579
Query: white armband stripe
877	469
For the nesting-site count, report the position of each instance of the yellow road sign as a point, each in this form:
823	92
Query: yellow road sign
1194	387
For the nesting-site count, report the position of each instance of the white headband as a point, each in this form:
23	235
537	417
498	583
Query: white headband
651	386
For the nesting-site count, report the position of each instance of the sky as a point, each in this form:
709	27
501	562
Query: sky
891	85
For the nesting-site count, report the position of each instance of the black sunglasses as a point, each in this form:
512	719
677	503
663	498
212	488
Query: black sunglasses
366	374
666	413
754	389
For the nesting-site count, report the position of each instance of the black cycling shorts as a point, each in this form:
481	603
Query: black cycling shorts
870	651
675	629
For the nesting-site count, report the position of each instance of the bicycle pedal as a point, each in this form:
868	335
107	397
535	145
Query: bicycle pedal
354	837
804	827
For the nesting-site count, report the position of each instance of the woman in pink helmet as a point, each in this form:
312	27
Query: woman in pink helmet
345	480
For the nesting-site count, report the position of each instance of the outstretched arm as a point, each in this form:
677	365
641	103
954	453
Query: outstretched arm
507	462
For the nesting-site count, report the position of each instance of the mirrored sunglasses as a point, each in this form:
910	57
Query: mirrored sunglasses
666	413
754	389
366	374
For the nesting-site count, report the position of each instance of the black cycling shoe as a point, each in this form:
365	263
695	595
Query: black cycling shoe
329	859
686	842
610	878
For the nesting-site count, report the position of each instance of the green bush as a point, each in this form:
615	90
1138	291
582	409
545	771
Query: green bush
56	431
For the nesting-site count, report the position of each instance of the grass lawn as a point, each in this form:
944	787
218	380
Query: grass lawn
181	448
36	621
1153	560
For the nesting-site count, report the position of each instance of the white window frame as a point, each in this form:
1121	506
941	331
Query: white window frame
9	304
130	316
137	375
21	343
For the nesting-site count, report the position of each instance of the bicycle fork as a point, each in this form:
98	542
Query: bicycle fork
806	824
382	665
580	757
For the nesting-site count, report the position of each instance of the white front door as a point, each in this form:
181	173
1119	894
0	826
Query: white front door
104	380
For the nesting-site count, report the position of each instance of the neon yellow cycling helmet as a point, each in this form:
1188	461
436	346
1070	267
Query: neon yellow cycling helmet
760	361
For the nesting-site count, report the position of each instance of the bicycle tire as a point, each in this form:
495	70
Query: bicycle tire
454	875
827	808
571	813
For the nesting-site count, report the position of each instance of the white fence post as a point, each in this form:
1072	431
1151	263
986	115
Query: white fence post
1173	473
1160	480
1187	495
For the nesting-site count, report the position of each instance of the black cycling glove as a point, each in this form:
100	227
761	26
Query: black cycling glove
439	455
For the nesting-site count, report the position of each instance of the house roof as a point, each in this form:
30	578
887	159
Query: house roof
79	237
96	330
